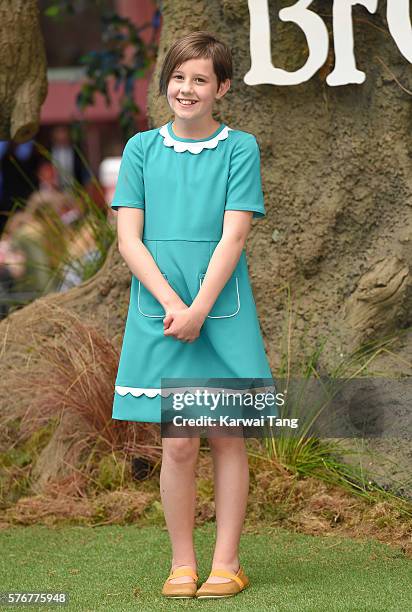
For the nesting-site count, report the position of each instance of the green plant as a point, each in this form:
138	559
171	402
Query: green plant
59	256
111	471
304	454
124	57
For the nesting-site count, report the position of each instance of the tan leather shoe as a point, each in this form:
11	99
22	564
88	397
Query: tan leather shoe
239	581
184	589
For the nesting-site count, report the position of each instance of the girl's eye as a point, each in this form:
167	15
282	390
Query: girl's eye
177	76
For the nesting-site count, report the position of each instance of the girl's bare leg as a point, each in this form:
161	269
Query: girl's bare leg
231	475
178	494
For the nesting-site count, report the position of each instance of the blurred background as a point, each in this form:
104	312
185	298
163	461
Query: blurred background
55	225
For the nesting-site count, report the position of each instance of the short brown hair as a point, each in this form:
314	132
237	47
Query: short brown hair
199	44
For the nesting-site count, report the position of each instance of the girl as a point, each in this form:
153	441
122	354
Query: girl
185	196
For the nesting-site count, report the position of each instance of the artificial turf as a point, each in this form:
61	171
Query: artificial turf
123	568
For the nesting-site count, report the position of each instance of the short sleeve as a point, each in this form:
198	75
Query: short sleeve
129	189
244	188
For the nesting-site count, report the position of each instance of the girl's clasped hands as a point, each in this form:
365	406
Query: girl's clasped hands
183	322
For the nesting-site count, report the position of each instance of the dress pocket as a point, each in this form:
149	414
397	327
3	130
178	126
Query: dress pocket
147	304
228	300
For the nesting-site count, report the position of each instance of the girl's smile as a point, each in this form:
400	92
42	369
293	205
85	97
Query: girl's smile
186	102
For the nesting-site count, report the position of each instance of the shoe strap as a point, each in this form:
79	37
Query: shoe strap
226	574
184	570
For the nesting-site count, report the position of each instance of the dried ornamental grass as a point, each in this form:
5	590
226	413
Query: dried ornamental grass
73	370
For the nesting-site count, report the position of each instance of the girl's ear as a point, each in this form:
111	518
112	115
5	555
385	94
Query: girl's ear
224	88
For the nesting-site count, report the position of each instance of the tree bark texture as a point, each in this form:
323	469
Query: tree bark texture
23	76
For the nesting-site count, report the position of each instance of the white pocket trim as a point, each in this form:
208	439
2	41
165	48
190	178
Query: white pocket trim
238	301
151	316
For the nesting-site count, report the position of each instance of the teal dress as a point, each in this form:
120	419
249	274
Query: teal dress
184	187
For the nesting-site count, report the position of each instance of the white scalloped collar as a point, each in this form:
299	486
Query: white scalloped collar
194	147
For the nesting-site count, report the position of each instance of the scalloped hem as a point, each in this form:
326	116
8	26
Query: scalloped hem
153	392
137	391
145	405
142	409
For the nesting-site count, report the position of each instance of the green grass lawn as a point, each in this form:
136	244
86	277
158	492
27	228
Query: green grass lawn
123	568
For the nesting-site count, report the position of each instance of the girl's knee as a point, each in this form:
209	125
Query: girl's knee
226	444
181	450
